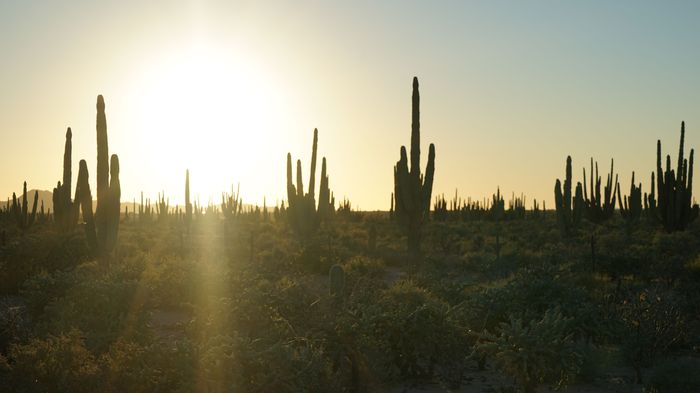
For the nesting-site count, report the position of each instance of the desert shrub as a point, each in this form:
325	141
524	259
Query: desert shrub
13	322
131	367
57	364
542	350
235	363
675	376
102	308
650	324
365	266
408	332
528	295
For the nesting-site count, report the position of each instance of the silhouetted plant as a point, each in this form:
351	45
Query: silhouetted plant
599	207
20	210
303	215
412	191
498	205
568	215
101	229
65	210
188	205
675	208
631	209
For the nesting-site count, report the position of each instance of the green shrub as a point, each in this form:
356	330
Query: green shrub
55	364
542	350
410	333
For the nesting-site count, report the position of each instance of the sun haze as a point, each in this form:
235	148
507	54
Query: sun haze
226	89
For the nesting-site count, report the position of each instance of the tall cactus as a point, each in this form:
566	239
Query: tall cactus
675	208
188	205
412	190
568	215
302	213
20	210
65	210
102	229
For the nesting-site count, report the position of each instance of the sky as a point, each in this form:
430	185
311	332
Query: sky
227	88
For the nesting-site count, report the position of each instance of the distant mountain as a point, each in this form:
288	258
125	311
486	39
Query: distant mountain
45	196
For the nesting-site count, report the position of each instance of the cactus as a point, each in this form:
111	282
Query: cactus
188	205
674	208
231	204
162	207
101	230
650	201
440	208
303	214
497	205
599	207
336	278
568	214
631	207
65	210
412	190
23	218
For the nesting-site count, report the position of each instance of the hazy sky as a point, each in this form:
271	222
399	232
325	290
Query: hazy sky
226	89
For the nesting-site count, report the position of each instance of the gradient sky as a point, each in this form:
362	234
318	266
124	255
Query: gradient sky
508	89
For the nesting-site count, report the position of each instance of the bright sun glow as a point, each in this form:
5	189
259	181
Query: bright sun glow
213	112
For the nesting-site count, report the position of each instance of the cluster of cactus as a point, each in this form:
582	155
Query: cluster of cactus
162	207
600	207
516	207
303	214
630	206
146	212
232	204
440	211
66	211
412	190
102	228
568	213
536	211
498	205
20	209
675	208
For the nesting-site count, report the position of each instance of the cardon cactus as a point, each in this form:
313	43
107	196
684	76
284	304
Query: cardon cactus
102	229
631	206
65	210
568	214
303	214
412	190
188	205
674	208
336	277
600	207
20	210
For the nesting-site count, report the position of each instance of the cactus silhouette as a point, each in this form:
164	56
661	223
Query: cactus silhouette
20	209
188	205
412	190
674	207
65	210
568	214
302	213
630	206
101	229
600	207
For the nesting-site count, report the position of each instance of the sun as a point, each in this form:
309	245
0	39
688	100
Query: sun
211	110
